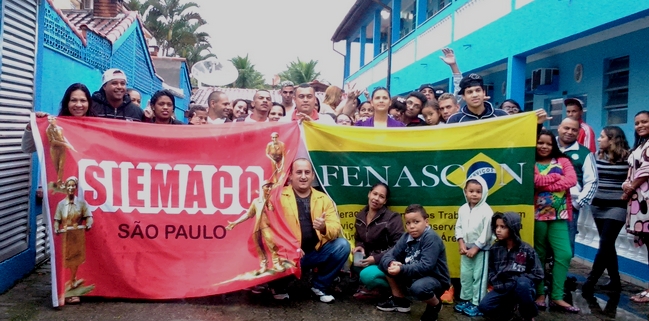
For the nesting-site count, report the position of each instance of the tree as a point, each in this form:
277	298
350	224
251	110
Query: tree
249	77
187	38
174	24
136	5
195	53
300	72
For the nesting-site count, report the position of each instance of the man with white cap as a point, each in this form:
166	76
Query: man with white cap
112	101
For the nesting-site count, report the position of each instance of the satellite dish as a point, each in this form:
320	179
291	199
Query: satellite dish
212	72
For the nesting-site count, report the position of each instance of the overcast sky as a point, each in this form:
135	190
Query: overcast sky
276	32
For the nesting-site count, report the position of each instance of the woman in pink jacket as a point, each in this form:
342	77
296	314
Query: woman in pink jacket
553	177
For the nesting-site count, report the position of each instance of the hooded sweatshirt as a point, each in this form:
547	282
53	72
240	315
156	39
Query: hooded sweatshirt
421	257
474	224
126	111
465	115
507	265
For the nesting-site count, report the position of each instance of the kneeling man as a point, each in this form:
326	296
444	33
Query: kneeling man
313	219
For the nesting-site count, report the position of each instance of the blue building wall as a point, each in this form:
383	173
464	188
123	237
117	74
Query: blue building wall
130	54
182	104
63	59
532	29
57	73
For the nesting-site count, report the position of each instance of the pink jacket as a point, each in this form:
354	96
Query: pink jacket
556	182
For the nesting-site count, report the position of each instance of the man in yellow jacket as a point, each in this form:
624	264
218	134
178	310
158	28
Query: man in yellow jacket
314	221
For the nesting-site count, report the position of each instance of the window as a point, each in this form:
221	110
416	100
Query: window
529	102
557	111
435	6
616	90
408	17
384	40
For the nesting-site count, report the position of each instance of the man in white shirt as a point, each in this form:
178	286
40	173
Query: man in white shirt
287	91
219	108
261	104
305	107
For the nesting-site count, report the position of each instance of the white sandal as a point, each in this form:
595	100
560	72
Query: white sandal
640	296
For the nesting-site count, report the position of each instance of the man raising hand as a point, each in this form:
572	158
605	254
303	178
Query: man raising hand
313	219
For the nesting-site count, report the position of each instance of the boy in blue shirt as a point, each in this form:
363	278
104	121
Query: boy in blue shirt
416	262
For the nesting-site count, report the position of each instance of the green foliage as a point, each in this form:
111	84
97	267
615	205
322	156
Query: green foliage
300	72
249	77
175	27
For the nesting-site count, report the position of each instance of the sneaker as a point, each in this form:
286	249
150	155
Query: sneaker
279	295
324	297
395	304
431	313
257	289
472	311
461	306
447	297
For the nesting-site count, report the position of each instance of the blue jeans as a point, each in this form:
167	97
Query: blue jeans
500	305
572	229
329	260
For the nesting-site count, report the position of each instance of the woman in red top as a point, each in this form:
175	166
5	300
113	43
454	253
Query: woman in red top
553	177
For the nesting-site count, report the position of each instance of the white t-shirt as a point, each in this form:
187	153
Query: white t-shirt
215	121
322	119
250	120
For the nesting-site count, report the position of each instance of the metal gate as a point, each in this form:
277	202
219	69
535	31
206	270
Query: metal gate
17	67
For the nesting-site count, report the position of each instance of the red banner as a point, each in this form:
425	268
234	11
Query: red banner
150	211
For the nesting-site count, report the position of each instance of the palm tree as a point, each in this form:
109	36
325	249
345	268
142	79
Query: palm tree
195	53
171	22
136	5
300	72
249	77
188	36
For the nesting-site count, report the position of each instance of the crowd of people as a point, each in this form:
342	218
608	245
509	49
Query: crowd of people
570	175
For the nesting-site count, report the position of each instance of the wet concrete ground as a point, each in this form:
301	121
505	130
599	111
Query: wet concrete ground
30	299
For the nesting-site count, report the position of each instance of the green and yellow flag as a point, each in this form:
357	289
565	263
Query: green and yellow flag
428	166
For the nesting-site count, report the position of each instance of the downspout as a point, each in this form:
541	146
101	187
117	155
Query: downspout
333	46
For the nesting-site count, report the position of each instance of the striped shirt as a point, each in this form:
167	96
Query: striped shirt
611	177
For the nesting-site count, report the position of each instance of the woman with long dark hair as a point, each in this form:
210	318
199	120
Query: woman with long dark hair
377	230
554	175
608	207
381	103
76	102
636	189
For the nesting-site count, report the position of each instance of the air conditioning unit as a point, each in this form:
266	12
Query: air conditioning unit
545	79
88	4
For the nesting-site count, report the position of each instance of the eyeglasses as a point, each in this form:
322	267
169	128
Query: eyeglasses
287	92
410	103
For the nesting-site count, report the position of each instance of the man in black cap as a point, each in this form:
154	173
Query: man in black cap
477	106
428	90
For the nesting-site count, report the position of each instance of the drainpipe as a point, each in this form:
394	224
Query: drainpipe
333	46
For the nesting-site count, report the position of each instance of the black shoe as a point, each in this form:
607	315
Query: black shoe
570	284
431	313
613	286
395	304
587	290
